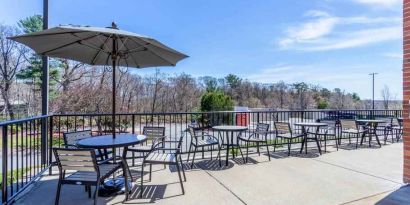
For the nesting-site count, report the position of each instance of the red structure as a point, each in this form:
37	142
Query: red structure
406	90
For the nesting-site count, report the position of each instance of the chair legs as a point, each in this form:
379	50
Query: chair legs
247	152
189	152
142	180
125	173
182	167
96	192
150	172
274	144
193	158
58	192
289	145
179	175
267	150
219	154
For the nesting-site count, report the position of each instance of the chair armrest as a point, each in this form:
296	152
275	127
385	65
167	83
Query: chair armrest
156	145
69	146
168	149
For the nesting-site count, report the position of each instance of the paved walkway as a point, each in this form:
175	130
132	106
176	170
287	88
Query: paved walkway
347	176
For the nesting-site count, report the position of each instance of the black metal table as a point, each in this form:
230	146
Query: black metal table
230	129
305	139
109	142
371	129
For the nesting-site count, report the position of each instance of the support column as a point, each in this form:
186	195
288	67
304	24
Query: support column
406	90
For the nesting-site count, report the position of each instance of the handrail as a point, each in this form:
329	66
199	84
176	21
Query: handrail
5	123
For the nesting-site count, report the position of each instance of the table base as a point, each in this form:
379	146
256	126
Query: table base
113	187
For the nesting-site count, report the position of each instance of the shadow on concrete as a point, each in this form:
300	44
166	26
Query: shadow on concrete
212	165
400	196
240	160
312	153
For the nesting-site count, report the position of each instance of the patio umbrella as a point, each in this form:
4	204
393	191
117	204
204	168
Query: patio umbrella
101	46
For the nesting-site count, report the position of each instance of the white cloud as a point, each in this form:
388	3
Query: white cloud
356	39
324	32
380	3
321	26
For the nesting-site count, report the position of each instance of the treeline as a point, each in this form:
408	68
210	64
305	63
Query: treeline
79	88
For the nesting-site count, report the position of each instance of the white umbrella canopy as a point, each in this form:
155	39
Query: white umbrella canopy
94	46
101	46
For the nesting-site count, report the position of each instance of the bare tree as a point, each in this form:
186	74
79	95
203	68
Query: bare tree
71	71
387	96
11	60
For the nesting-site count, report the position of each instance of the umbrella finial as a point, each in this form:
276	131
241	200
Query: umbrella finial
114	25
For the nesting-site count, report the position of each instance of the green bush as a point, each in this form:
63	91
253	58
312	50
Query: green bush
216	101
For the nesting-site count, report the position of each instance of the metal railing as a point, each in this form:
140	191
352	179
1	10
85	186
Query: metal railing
24	154
26	144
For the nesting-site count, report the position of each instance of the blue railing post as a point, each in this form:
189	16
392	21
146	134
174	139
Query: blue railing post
4	165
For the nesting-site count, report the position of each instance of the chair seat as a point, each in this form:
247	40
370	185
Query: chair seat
289	135
324	132
143	148
352	131
161	158
397	127
105	171
252	139
206	142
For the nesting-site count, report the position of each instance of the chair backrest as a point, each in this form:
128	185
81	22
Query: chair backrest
262	128
191	131
282	127
76	159
71	138
348	124
153	132
396	122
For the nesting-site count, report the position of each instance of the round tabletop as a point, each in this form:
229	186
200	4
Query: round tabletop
371	121
310	124
232	128
107	141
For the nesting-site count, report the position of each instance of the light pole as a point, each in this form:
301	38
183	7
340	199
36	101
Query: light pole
373	74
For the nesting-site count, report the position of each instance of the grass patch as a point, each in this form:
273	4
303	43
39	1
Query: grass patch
17	174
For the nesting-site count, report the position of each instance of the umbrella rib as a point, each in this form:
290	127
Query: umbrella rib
132	57
155	53
68	44
46	34
102	48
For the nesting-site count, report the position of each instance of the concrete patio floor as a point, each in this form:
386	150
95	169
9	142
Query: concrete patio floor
348	176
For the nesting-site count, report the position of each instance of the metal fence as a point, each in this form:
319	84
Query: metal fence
26	144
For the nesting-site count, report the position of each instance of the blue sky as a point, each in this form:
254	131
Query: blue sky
333	43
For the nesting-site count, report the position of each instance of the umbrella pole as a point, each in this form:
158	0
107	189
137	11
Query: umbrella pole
114	58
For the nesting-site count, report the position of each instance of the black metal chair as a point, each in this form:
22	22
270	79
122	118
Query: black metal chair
202	140
284	131
350	127
153	134
327	131
258	136
395	129
87	171
166	156
71	139
384	127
